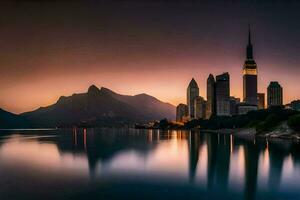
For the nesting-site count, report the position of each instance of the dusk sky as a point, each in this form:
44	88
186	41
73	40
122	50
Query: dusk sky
54	48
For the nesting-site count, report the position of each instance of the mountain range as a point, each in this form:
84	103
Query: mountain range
96	107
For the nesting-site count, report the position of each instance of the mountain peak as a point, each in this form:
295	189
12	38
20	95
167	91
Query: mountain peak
61	99
93	90
100	107
144	95
106	91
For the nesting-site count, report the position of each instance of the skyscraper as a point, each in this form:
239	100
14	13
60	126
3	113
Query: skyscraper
200	108
234	102
210	95
250	75
261	100
181	112
192	93
275	97
223	94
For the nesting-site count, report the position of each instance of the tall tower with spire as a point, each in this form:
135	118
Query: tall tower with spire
250	75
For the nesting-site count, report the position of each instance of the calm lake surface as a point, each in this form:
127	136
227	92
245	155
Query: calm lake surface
145	164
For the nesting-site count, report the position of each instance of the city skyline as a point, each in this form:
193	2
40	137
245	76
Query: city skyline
46	56
149	99
219	101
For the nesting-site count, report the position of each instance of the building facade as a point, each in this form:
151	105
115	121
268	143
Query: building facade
250	76
233	105
244	108
295	105
261	101
210	95
192	93
222	94
275	94
181	112
200	108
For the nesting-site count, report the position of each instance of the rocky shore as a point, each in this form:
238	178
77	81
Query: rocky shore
281	132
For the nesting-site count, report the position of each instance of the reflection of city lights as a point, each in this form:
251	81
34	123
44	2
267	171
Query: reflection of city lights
237	168
266	160
203	164
150	136
241	157
75	136
231	144
84	138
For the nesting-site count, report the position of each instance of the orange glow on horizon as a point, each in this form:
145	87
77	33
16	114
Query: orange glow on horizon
167	85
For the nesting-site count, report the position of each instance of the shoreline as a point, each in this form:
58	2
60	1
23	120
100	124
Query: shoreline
281	132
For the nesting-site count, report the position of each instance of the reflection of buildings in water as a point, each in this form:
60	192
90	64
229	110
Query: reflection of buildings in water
157	135
251	152
196	142
295	155
75	136
223	161
273	154
99	147
251	166
212	143
219	148
193	145
237	168
102	145
276	159
264	167
84	138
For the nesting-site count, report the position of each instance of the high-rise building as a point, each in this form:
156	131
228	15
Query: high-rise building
192	93
210	95
222	94
295	105
261	100
181	112
275	97
200	108
233	105
250	76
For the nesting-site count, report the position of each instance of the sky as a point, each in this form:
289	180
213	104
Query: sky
50	48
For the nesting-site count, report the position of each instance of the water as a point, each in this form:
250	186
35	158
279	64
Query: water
140	164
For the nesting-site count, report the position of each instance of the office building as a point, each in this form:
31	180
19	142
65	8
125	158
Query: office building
233	105
181	112
192	93
275	96
210	95
222	94
261	101
200	108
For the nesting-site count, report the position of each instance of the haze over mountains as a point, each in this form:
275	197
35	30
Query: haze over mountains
97	107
